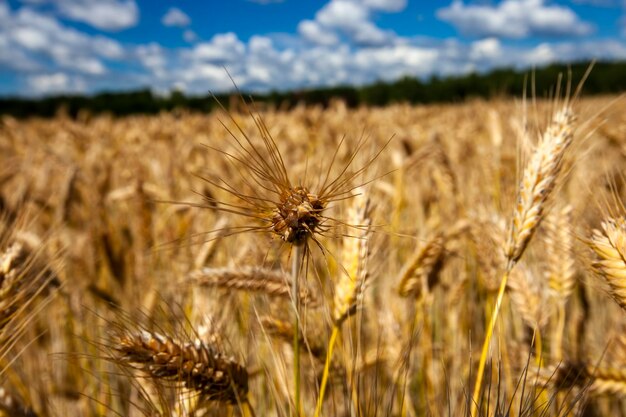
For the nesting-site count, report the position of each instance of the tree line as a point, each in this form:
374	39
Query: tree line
605	78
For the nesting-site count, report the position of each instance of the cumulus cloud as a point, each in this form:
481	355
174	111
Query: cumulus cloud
153	57
264	65
49	57
44	41
514	19
351	19
176	17
111	15
55	83
313	32
221	49
340	44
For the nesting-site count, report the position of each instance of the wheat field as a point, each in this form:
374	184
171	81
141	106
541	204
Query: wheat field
335	262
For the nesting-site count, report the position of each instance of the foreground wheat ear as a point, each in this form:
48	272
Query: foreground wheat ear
538	181
296	212
196	365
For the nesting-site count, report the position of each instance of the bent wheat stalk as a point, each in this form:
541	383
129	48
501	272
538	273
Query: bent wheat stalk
538	181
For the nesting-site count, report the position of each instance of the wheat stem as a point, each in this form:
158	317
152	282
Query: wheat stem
558	335
295	293
485	350
329	355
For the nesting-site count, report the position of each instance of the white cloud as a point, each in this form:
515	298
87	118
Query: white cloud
30	37
488	48
351	19
514	19
341	44
176	17
315	33
5	12
386	5
113	15
152	57
222	48
190	36
31	41
55	83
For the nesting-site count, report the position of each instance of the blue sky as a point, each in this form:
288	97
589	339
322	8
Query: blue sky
85	46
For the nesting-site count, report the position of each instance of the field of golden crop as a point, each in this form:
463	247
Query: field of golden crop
149	265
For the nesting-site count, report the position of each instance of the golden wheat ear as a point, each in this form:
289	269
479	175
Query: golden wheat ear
354	259
609	245
196	365
539	179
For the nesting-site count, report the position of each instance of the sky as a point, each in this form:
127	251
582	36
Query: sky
87	46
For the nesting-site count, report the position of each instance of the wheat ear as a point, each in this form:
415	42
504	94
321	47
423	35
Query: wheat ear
561	268
422	270
595	381
538	181
266	281
526	296
560	250
194	364
283	330
609	244
351	283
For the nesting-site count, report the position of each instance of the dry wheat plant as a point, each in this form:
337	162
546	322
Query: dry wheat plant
445	260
